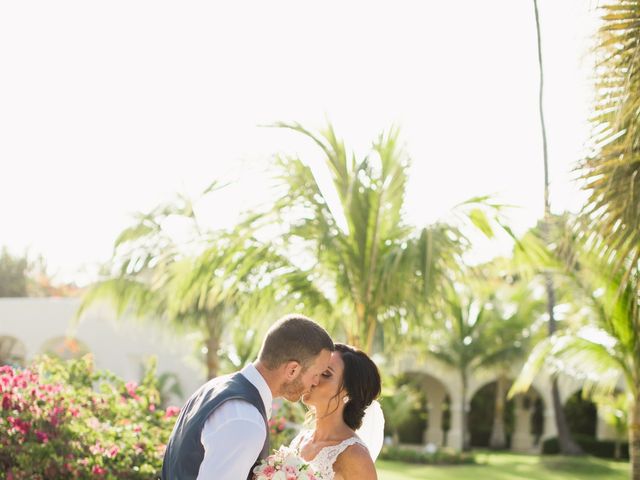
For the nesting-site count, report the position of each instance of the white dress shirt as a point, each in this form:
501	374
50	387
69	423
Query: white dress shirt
234	434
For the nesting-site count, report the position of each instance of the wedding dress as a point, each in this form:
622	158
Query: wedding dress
324	460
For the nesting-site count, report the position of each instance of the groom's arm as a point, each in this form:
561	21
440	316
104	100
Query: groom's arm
232	438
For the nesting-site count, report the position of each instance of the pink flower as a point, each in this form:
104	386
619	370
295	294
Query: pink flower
131	390
171	412
19	425
268	471
42	436
152	407
96	449
98	470
113	451
6	402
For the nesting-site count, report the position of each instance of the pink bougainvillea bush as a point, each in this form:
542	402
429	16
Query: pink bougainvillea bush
65	420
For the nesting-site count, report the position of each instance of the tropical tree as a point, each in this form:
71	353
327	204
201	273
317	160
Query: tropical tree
376	268
517	311
607	350
469	333
612	172
567	445
613	409
201	285
13	274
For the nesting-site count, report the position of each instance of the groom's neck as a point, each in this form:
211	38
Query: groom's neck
269	376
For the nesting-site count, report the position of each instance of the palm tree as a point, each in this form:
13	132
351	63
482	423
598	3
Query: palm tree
567	445
612	172
469	333
202	286
606	351
517	311
374	266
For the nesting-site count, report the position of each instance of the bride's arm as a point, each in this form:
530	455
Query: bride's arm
355	464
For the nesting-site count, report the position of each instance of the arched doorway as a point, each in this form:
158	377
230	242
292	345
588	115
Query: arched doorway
491	419
582	415
432	419
501	423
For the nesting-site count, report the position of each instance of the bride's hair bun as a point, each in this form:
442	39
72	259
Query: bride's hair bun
361	380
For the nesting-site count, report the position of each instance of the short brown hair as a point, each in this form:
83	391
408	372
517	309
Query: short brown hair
294	337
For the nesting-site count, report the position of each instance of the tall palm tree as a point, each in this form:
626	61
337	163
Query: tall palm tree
374	266
612	172
203	286
567	445
517	310
606	351
469	334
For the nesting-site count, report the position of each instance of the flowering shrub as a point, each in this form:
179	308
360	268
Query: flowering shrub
68	421
286	417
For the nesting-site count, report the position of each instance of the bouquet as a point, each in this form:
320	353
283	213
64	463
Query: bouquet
284	464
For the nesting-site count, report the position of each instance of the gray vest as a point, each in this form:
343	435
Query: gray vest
184	452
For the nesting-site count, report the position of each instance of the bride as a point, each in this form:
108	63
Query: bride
334	447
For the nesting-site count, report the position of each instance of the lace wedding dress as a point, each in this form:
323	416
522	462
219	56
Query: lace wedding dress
324	460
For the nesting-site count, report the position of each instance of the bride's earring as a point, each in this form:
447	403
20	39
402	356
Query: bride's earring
346	399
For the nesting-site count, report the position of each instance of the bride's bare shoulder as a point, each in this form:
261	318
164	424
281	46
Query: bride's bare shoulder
355	462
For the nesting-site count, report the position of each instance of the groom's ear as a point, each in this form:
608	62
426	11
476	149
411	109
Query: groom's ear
292	369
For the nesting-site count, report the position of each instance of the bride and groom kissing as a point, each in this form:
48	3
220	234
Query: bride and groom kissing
222	431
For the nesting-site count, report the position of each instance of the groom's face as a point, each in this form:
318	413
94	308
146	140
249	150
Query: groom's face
294	389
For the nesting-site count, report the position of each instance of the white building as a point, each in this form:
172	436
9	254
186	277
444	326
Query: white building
32	326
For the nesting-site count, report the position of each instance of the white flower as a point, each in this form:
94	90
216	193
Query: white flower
293	461
279	476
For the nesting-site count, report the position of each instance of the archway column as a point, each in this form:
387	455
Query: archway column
454	436
434	433
522	440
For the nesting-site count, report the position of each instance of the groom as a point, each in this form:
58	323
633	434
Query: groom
222	431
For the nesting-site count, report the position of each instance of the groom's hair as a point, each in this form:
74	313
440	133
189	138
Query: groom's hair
294	337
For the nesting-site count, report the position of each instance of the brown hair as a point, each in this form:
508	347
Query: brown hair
361	380
294	337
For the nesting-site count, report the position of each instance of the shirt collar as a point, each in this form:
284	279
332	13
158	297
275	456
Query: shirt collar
252	374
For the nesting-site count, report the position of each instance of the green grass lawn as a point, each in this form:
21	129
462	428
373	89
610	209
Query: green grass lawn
507	466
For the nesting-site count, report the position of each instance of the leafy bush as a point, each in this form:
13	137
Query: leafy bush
286	417
439	457
590	445
69	421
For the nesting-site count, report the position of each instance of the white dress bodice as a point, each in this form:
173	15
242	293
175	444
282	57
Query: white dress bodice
324	460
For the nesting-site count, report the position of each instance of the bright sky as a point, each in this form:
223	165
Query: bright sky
107	108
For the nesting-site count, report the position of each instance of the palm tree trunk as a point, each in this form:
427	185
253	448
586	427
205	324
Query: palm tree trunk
634	437
213	362
498	438
371	335
567	445
565	442
465	440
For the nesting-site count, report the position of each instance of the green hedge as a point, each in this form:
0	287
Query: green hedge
590	445
440	457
